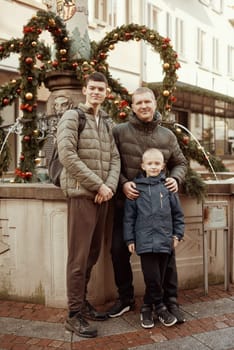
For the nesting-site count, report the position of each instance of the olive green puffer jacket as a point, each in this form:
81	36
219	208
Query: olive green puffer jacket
89	160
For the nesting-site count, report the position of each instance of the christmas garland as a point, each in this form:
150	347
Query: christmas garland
36	62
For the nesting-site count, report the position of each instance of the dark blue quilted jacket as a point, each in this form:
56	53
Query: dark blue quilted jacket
154	217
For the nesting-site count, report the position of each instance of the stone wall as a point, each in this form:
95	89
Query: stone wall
33	220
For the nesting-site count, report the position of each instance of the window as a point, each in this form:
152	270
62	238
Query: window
217	5
168	25
230	63
128	11
205	2
179	40
105	11
215	54
153	12
201	39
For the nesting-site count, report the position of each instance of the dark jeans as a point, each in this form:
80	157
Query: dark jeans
154	268
122	267
121	258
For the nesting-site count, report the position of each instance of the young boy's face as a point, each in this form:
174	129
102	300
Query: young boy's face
152	164
95	92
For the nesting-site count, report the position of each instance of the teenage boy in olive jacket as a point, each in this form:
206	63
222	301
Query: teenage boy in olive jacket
89	178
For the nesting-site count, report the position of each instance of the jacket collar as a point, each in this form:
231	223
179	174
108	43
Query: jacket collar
147	127
89	110
151	180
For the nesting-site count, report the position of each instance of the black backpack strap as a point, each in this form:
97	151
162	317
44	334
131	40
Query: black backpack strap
82	120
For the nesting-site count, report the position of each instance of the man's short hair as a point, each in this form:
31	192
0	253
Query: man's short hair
96	76
143	90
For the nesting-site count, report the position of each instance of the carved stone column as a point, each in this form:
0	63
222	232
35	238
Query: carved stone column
66	93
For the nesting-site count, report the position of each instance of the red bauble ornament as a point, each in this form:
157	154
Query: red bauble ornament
27	138
30	79
5	101
102	55
28	174
28	60
75	65
177	65
128	35
110	97
185	140
55	64
21	157
122	115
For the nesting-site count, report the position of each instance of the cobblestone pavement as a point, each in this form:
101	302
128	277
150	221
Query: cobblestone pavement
209	325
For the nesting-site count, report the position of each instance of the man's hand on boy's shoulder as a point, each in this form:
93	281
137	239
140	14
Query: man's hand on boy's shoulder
129	189
171	184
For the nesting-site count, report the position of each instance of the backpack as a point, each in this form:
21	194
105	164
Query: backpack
55	167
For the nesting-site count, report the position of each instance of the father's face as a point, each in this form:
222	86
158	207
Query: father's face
144	106
95	92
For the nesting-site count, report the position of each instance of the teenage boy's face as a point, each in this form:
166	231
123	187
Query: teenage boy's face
152	164
95	93
144	106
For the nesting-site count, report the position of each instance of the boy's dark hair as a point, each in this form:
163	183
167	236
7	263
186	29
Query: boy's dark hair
96	76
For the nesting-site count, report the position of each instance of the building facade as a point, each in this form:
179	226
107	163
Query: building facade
201	32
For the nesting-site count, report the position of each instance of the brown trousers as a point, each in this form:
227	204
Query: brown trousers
86	225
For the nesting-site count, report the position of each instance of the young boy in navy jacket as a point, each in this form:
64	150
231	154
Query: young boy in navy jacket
153	226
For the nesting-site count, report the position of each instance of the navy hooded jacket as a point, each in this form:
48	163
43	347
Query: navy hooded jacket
154	217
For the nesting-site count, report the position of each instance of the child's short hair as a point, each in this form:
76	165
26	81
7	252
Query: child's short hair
96	76
150	151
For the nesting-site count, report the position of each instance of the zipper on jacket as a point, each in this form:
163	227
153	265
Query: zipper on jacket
161	197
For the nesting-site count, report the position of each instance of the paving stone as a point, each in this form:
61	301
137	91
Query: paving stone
187	343
217	340
210	308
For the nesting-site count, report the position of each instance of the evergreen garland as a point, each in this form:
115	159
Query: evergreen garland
36	61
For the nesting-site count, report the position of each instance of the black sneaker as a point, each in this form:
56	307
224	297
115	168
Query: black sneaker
78	325
166	318
88	311
146	316
120	307
174	310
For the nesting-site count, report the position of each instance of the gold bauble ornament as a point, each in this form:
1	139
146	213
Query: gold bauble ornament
65	40
166	65
52	22
36	132
166	93
34	43
63	51
29	96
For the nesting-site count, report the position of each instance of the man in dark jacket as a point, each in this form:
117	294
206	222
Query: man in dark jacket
142	131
